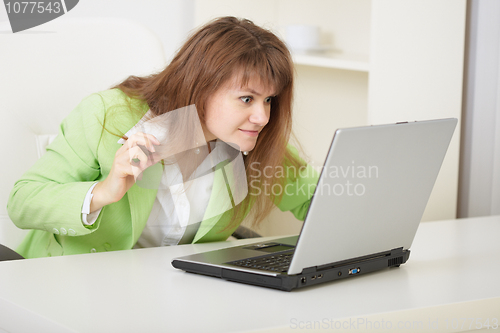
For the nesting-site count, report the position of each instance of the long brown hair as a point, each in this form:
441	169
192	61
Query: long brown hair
210	58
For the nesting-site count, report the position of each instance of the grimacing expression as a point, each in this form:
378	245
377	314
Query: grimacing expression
236	114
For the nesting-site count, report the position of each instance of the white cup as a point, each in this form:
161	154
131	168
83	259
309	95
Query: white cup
302	38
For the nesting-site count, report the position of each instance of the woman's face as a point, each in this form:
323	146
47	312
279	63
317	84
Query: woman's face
236	114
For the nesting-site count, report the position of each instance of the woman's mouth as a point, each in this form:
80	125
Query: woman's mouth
249	133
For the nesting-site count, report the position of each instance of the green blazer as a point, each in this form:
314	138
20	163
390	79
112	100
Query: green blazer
48	198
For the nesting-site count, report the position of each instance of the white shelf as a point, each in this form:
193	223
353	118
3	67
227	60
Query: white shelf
351	63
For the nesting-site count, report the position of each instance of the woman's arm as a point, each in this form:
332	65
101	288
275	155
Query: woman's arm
49	196
298	188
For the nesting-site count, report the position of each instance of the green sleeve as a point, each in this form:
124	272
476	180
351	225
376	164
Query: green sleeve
299	188
49	196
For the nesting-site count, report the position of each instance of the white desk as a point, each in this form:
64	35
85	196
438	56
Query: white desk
453	273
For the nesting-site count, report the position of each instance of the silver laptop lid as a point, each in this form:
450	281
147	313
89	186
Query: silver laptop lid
372	191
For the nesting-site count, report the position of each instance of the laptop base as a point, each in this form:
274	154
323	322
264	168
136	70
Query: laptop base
309	276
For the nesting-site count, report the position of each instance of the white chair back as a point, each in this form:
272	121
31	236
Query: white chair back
45	72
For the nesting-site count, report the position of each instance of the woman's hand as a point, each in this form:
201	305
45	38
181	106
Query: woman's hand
130	161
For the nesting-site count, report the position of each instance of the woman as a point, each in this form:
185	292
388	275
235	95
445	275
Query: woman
84	196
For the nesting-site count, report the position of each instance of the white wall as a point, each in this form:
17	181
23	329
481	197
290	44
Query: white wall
344	24
171	20
480	162
416	72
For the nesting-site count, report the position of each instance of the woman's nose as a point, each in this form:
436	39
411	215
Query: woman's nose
260	115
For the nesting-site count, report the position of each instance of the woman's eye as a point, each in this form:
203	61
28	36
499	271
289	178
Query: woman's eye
246	99
268	100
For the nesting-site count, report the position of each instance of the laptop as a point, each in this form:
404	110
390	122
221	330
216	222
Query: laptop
363	216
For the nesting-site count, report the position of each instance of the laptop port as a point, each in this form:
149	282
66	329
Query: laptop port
313	277
320	276
303	280
353	271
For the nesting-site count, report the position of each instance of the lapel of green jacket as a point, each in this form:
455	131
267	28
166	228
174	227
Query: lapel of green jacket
219	210
141	197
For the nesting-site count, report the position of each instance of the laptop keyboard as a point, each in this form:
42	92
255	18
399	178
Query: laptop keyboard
275	262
